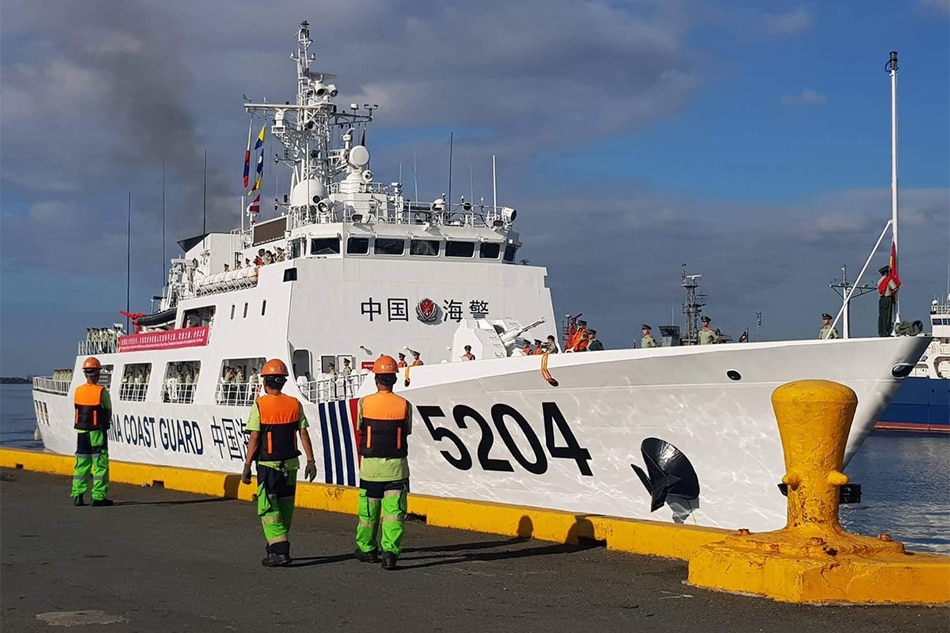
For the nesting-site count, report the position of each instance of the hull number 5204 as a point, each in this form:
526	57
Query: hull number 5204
558	438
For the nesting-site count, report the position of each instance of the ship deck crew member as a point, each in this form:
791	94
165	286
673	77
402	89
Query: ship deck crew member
827	331
468	355
593	343
274	423
578	342
93	419
552	344
887	287
402	361
647	341
384	421
706	335
416	361
538	349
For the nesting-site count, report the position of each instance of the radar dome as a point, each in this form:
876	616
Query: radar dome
359	156
306	193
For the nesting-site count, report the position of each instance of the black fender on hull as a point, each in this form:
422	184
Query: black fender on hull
668	472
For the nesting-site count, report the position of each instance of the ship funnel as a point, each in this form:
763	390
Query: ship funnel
668	473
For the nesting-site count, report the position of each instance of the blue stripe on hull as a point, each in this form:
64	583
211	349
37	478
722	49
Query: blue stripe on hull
325	440
337	453
348	448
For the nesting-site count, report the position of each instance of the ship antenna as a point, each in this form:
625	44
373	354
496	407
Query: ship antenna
204	200
892	70
128	266
163	220
448	197
415	175
494	186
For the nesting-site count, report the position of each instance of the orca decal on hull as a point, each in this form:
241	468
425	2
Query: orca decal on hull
668	473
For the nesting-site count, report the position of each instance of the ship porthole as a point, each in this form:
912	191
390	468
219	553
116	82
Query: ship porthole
734	375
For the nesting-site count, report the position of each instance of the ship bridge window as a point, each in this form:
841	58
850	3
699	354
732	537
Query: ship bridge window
196	317
134	385
325	246
489	250
180	379
426	248
510	251
239	381
459	249
357	245
388	246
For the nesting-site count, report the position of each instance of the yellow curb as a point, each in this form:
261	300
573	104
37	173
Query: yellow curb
634	536
892	578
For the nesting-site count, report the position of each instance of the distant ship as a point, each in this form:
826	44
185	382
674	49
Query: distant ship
922	404
351	268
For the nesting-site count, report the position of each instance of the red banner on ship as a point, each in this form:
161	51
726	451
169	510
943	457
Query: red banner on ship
169	339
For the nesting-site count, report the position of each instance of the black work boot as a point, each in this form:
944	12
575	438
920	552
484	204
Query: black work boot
389	561
366	557
79	501
102	502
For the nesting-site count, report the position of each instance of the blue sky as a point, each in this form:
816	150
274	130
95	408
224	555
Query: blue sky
752	144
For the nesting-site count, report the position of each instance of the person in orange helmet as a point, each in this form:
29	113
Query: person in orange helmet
93	419
274	423
384	421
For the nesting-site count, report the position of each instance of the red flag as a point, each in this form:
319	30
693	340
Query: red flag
255	206
891	275
893	264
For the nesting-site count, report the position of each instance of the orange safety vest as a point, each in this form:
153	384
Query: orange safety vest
90	414
416	363
384	425
280	420
581	341
401	363
468	356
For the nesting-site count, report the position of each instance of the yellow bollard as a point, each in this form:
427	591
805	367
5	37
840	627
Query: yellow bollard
813	559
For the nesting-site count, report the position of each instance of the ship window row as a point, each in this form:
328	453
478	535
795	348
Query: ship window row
396	247
238	383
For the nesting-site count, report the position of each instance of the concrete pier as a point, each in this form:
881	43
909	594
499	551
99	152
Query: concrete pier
161	560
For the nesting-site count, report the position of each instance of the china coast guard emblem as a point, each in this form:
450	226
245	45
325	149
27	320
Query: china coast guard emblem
427	311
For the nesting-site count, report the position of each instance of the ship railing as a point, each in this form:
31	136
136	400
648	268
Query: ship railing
49	385
239	394
331	389
133	391
178	392
91	348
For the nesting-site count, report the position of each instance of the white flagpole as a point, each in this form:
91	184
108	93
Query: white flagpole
892	69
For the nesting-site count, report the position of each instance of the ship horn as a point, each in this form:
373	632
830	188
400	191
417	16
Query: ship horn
668	472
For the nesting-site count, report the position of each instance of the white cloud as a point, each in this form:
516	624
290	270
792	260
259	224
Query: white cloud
807	97
787	23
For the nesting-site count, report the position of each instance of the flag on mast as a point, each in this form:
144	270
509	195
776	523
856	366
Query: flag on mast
255	206
260	138
260	172
247	156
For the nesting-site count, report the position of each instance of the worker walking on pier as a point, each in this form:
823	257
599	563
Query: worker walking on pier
384	421
93	418
274	423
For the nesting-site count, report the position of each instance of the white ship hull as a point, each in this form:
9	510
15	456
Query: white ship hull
610	402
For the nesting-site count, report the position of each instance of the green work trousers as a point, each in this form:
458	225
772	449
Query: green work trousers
276	490
381	502
92	463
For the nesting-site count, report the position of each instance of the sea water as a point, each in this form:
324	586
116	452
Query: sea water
905	480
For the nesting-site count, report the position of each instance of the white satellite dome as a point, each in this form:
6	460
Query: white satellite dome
307	192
